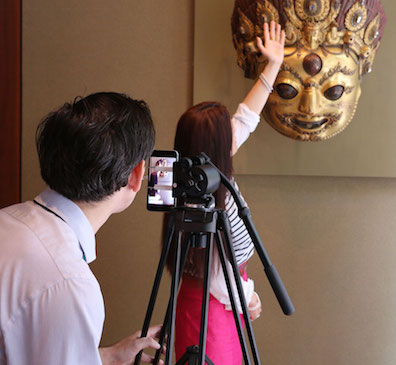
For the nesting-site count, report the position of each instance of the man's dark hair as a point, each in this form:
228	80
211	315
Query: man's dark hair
87	149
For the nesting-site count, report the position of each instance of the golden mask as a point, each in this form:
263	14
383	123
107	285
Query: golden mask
330	45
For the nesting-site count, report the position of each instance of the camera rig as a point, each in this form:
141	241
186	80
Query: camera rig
194	181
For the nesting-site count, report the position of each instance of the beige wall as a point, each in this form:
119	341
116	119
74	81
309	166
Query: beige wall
142	48
332	239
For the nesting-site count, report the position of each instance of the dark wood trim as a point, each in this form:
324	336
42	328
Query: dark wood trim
10	101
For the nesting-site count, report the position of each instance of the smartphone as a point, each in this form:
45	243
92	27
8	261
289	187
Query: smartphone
160	195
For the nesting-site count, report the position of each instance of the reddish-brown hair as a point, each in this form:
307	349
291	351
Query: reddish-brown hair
205	127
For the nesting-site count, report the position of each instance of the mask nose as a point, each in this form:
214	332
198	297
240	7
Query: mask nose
309	102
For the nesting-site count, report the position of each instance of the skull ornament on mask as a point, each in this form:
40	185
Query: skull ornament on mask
330	45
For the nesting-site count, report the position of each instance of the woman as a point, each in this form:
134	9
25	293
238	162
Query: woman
207	127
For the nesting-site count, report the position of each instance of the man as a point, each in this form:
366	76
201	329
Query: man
92	156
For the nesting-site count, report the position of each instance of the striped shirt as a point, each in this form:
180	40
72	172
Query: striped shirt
240	238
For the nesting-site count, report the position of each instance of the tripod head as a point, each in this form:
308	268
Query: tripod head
195	178
194	182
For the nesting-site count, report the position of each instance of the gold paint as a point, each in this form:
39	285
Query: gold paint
312	10
246	28
310	29
265	13
356	17
371	31
310	115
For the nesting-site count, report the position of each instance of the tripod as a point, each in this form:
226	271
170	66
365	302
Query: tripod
200	225
201	228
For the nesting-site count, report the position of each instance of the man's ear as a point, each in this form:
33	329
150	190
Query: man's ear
136	177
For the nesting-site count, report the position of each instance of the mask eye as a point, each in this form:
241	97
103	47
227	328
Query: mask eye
286	91
334	93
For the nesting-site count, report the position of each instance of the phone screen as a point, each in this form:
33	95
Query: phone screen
160	180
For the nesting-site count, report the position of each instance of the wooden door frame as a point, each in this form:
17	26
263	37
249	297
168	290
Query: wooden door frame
10	101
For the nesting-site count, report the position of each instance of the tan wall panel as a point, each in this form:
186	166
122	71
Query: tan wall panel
79	47
142	48
333	243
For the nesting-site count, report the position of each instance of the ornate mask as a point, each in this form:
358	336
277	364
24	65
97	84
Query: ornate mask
330	45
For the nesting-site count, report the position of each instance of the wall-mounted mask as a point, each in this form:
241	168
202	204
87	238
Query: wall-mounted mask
330	45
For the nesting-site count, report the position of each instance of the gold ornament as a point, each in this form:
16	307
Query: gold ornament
329	46
266	12
356	17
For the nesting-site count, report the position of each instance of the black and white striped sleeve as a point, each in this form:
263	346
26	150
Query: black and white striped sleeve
241	241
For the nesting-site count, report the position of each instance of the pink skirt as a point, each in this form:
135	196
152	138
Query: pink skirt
222	341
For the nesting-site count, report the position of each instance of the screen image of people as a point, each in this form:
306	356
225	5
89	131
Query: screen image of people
160	181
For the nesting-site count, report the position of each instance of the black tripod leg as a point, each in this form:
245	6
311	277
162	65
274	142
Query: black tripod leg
205	301
172	303
225	225
157	281
184	359
164	331
231	294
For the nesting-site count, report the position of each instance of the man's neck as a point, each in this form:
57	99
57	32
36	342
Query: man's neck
99	212
96	212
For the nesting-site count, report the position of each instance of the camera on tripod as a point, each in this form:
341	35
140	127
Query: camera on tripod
176	182
185	188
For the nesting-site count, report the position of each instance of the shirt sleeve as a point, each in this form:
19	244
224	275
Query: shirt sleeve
243	123
218	286
61	325
243	248
240	238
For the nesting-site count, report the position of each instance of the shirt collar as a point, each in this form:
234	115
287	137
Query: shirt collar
74	217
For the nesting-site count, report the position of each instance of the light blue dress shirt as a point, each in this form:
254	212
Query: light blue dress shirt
51	306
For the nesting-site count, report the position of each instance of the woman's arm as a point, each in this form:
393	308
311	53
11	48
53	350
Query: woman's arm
272	50
247	116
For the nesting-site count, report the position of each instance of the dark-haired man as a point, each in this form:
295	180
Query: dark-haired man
92	154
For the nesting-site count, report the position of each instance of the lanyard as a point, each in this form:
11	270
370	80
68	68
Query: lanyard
51	211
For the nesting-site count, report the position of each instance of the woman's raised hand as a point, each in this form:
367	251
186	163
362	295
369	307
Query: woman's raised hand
274	41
